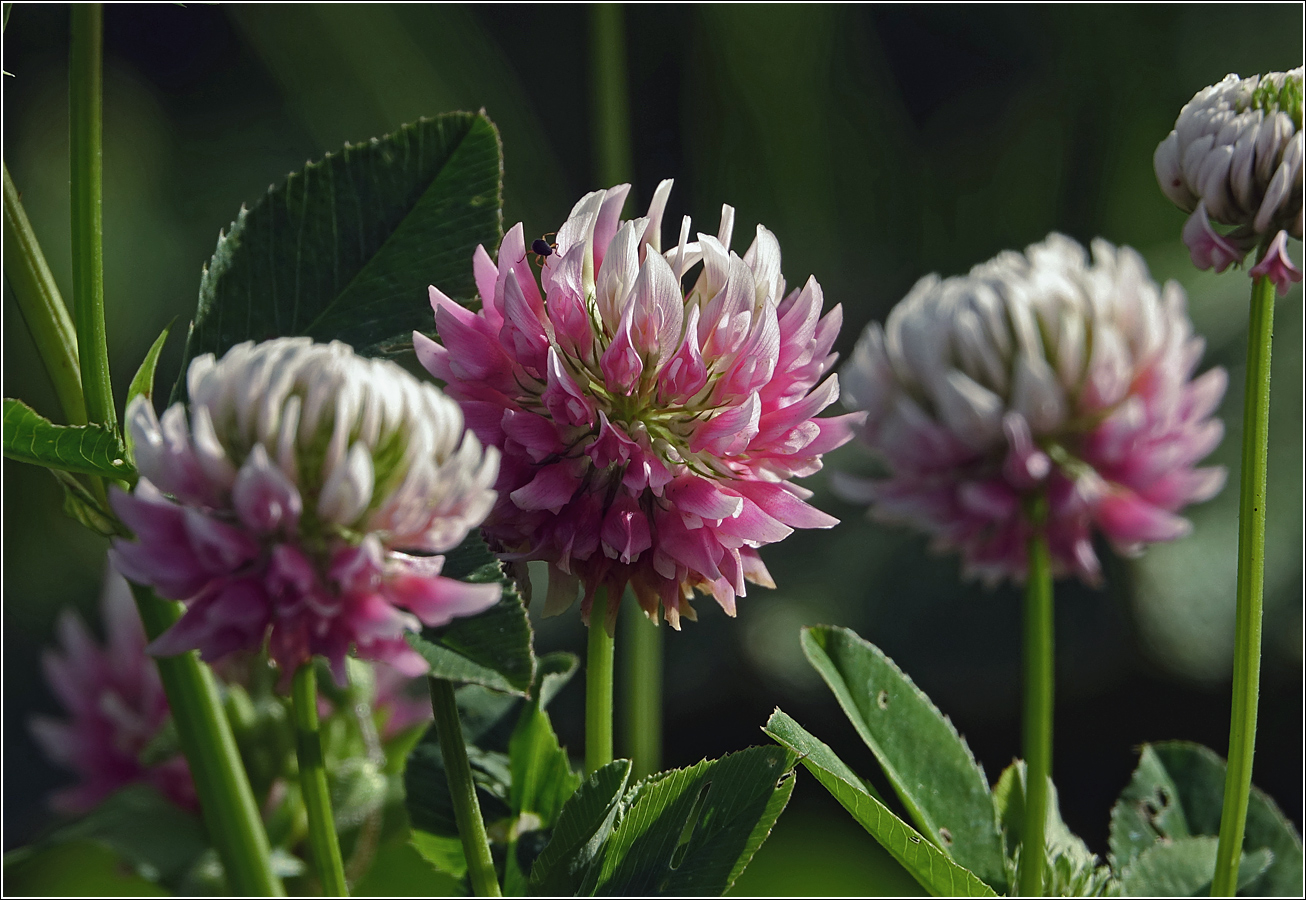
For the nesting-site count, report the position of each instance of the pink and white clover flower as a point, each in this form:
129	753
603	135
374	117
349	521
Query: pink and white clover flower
1235	156
304	497
1037	374
649	432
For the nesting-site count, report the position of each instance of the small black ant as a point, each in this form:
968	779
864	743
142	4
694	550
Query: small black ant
542	248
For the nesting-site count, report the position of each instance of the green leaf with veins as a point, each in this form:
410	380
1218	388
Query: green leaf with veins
933	868
928	764
87	449
346	248
1176	792
692	831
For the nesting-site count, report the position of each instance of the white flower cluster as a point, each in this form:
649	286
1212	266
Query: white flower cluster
1044	334
368	447
1236	150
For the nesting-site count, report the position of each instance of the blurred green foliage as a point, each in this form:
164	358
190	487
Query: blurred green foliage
879	144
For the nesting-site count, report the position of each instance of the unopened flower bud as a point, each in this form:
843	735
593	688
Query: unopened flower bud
1235	157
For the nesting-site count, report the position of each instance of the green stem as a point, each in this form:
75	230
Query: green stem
42	307
85	133
610	101
226	802
462	790
1038	705
598	686
642	672
313	784
1251	585
642	669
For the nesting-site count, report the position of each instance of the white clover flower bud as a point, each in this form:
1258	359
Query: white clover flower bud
1037	374
290	498
1235	157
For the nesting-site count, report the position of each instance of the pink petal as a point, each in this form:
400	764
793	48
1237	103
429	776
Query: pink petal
486	274
613	446
550	489
776	501
701	497
755	525
609	219
563	398
1277	265
621	362
1128	519
1208	248
264	498
728	433
754	569
697	550
538	435
777	422
625	533
522	329
685	374
657	310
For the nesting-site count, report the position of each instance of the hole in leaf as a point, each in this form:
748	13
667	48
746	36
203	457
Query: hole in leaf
882	699
691	822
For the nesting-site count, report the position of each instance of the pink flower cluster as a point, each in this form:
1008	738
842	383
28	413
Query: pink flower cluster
648	432
116	708
1037	374
290	500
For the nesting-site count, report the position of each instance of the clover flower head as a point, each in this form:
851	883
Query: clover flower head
1041	374
304	496
649	432
116	709
1235	156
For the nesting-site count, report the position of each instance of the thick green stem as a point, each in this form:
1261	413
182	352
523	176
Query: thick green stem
85	133
42	307
598	686
642	668
1038	705
642	671
462	790
313	784
226	802
1251	585
609	97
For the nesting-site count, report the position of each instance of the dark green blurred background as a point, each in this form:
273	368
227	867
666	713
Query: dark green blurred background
879	144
